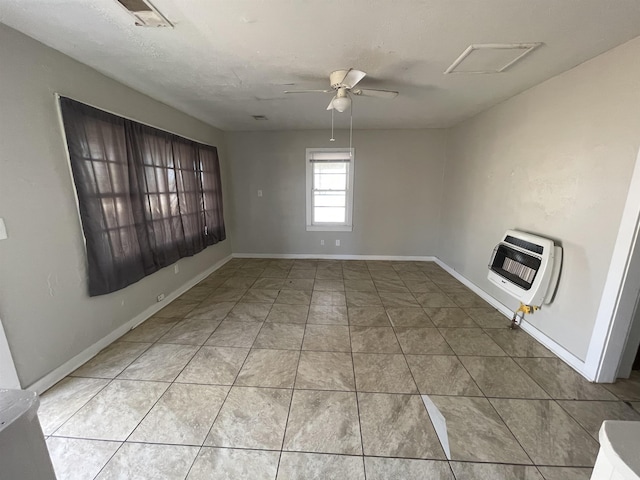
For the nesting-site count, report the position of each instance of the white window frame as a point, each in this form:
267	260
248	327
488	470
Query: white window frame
346	226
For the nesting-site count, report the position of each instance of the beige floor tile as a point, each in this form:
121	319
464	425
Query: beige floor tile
269	283
210	310
323	422
359	285
476	433
518	343
258	295
422	341
281	313
328	315
294	297
397	426
251	418
233	464
77	459
150	330
502	377
214	366
383	373
626	389
591	414
357	298
434	300
161	363
225	294
442	375
406	469
393	299
471	341
280	336
560	381
269	368
111	361
177	309
368	316
535	422
565	473
313	466
183	415
396	286
234	334
409	317
329	285
450	317
305	284
115	412
327	338
493	471
192	331
374	340
139	461
64	399
488	317
249	312
328	298
325	371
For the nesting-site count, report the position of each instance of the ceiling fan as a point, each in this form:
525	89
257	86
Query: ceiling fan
343	85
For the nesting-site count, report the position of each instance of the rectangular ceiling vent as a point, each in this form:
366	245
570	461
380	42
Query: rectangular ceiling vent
490	57
260	118
145	14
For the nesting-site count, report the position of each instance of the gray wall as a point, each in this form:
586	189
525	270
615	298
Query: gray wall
557	161
397	192
46	312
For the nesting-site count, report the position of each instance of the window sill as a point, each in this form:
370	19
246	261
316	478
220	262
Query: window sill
329	228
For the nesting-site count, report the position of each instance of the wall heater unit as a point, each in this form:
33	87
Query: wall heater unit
527	267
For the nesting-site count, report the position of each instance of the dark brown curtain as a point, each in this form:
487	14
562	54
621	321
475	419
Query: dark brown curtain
147	197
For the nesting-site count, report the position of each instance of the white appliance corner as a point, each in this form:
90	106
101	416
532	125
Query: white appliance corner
80	359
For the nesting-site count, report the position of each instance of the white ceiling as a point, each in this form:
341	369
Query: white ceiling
226	60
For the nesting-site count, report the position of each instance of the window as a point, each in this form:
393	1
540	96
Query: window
146	197
330	189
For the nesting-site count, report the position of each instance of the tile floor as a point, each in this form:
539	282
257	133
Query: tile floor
328	370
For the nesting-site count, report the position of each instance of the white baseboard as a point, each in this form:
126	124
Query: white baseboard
568	357
397	258
83	357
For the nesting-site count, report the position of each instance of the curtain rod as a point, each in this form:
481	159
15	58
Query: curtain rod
57	95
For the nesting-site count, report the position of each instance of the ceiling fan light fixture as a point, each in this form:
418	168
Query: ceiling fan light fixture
341	103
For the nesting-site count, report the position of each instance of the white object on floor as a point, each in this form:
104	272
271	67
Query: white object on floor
439	424
619	455
23	451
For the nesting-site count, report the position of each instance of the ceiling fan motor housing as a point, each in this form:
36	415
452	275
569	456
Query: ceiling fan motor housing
336	78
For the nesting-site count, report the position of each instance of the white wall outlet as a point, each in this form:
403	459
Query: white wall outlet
259	193
3	230
337	243
176	268
321	242
161	297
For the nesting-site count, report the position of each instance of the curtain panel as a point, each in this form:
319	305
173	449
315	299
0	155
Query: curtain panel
146	197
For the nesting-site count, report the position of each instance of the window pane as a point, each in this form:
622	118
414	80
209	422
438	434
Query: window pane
329	215
333	199
331	181
330	167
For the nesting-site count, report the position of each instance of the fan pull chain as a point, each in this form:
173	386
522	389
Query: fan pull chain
332	139
351	131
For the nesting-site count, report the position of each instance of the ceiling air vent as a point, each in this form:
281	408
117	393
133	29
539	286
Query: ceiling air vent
260	117
490	57
146	15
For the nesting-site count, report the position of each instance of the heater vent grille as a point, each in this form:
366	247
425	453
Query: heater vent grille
532	247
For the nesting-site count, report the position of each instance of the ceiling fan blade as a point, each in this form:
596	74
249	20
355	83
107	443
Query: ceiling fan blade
369	92
352	78
308	91
330	106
